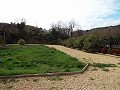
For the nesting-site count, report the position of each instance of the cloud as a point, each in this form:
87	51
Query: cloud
88	13
96	13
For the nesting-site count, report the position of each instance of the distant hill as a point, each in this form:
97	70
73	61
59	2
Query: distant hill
30	33
107	32
33	34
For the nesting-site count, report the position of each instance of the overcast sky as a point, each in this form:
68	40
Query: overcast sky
88	13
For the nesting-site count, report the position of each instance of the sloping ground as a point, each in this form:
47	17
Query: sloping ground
93	79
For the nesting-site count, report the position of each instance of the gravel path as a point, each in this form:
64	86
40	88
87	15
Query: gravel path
92	79
88	57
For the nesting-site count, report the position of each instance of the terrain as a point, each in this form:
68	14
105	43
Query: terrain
92	79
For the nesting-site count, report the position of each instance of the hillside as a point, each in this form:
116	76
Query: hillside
110	31
30	33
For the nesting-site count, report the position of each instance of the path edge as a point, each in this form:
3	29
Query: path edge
47	74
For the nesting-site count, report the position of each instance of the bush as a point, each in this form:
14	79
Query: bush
21	42
79	42
92	43
89	43
69	42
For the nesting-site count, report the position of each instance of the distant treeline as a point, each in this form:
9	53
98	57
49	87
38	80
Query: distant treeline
31	34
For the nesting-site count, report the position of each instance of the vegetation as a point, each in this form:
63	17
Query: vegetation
79	42
69	42
33	35
100	65
103	66
55	78
104	69
92	43
21	42
94	40
32	59
119	63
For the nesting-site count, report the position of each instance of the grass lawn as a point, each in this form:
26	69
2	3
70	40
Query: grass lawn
35	59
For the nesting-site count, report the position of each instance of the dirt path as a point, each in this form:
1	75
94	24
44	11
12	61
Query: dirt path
92	79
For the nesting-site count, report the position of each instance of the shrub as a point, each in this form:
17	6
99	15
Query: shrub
92	43
69	42
21	42
79	42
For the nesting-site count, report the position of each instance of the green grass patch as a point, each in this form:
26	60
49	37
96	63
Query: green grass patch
36	59
101	65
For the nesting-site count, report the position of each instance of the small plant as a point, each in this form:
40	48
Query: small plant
118	63
91	78
55	78
35	80
94	69
21	42
104	69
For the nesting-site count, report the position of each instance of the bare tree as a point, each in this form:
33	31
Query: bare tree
72	25
58	25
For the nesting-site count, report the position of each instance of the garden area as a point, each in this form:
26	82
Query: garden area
35	59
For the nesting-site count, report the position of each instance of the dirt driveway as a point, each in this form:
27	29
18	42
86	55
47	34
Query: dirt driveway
92	79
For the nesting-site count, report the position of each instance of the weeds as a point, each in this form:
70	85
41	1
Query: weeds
101	65
55	78
118	63
104	69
